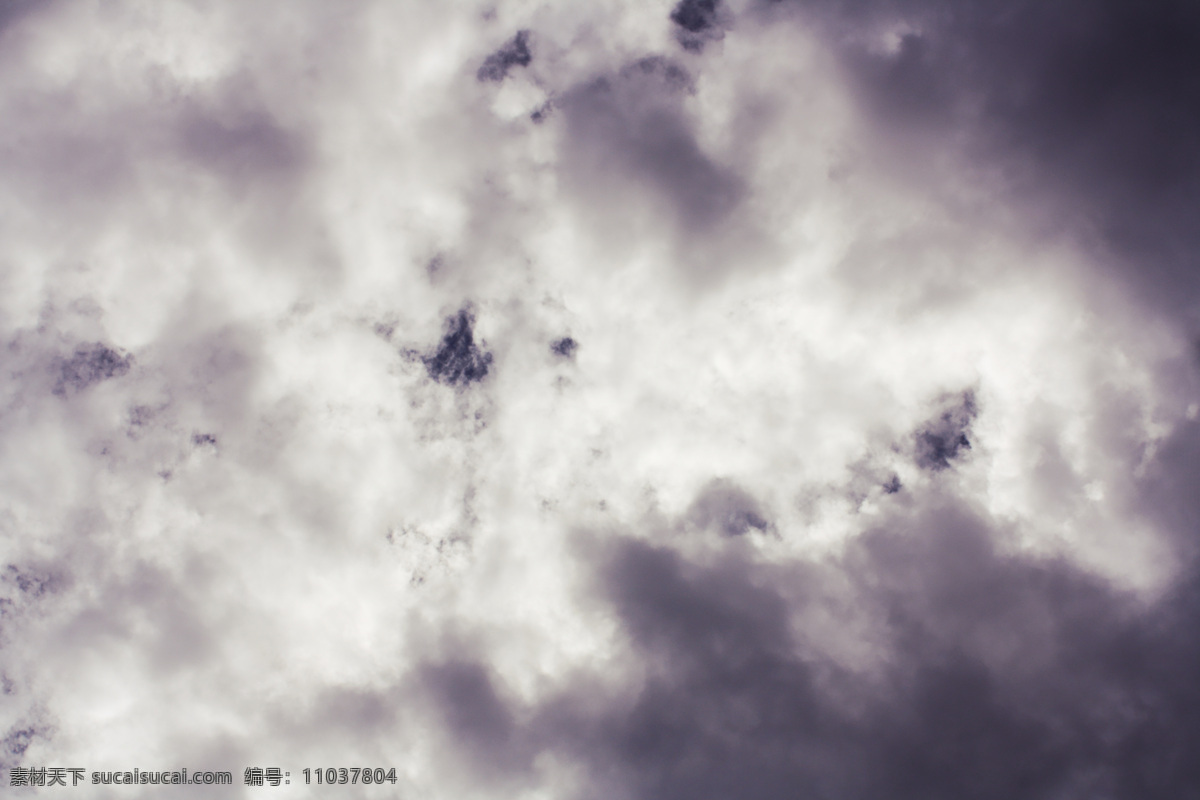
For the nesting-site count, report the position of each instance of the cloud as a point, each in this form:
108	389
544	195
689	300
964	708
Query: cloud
945	438
923	661
565	347
515	53
698	22
633	161
681	399
1087	104
458	361
90	364
727	509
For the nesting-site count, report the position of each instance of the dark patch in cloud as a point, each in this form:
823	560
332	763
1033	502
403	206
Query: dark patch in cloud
515	53
941	440
565	347
141	416
660	69
1096	102
697	22
1002	677
477	719
695	16
728	708
13	11
204	440
240	142
927	660
32	583
629	139
893	485
728	509
17	741
91	364
1167	495
458	360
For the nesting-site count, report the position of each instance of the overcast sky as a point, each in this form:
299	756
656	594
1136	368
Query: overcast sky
620	400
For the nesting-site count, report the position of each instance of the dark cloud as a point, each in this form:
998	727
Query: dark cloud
18	741
726	508
458	360
31	730
697	22
1096	103
478	720
928	660
942	440
12	11
1168	496
695	15
14	744
564	347
204	440
515	53
91	364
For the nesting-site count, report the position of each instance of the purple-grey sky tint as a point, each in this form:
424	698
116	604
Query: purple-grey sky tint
623	400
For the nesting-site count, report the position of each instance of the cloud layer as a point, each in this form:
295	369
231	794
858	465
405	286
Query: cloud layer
671	400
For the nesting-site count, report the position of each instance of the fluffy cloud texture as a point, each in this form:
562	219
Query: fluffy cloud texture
711	399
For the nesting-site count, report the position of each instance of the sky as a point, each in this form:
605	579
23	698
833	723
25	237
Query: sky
634	400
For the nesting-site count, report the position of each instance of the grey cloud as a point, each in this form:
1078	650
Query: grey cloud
988	674
166	609
728	509
458	359
925	659
1168	493
451	697
698	22
478	720
240	145
632	156
99	153
695	15
19	738
207	374
17	741
33	583
78	167
515	53
944	438
204	440
13	11
90	364
565	347
350	710
1093	103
